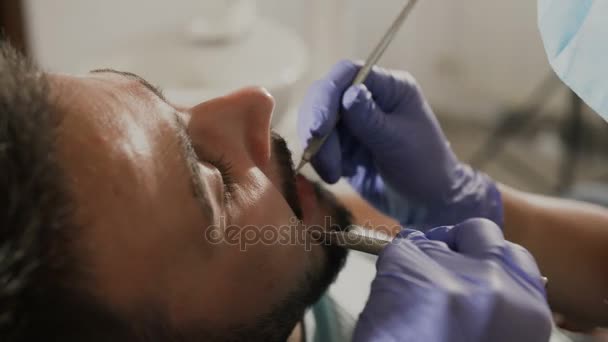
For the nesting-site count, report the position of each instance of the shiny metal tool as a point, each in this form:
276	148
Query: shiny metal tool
359	239
367	241
316	142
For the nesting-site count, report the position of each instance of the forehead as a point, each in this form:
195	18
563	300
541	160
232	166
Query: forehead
100	93
113	131
106	104
126	171
108	116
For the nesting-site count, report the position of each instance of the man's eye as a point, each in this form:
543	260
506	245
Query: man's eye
225	169
223	165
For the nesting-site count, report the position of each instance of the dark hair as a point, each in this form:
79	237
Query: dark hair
39	299
42	292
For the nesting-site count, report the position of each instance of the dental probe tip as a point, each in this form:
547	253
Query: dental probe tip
301	165
316	142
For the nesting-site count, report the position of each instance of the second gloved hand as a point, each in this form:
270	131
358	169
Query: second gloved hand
385	139
462	284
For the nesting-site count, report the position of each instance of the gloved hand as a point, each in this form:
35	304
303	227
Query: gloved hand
462	283
390	147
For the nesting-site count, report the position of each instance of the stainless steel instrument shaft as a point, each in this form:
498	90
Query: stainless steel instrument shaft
358	239
316	142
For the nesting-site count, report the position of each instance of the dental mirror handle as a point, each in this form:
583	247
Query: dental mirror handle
316	142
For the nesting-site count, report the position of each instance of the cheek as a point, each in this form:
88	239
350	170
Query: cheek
269	256
259	202
254	273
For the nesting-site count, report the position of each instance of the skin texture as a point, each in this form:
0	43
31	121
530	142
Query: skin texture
568	239
143	220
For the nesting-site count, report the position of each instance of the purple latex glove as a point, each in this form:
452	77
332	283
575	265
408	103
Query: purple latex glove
387	142
462	284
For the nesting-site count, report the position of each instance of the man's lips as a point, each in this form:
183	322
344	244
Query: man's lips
308	200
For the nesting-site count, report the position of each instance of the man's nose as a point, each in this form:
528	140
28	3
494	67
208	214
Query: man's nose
237	124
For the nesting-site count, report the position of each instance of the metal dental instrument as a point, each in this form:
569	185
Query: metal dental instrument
367	241
316	142
359	239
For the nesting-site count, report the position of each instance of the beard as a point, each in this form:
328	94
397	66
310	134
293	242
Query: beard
338	216
278	325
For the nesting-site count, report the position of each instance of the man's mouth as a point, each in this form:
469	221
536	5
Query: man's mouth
311	203
308	201
321	208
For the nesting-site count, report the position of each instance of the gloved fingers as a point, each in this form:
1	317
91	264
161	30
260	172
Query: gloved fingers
403	255
355	157
410	234
370	186
523	258
343	73
349	169
525	261
433	248
413	254
474	237
328	160
364	120
440	234
349	149
319	111
391	88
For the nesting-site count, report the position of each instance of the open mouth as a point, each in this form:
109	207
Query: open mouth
308	200
321	208
312	204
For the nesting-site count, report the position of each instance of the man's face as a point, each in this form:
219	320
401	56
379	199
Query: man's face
170	197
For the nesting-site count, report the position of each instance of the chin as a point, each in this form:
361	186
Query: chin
321	209
318	207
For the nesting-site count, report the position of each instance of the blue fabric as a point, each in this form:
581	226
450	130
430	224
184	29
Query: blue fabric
574	35
331	323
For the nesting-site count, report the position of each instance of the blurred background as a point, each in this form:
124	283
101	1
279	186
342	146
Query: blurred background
481	65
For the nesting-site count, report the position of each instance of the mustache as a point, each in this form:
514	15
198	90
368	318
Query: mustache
289	188
287	174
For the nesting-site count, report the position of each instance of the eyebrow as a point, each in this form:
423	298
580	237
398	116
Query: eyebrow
187	151
192	163
156	90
